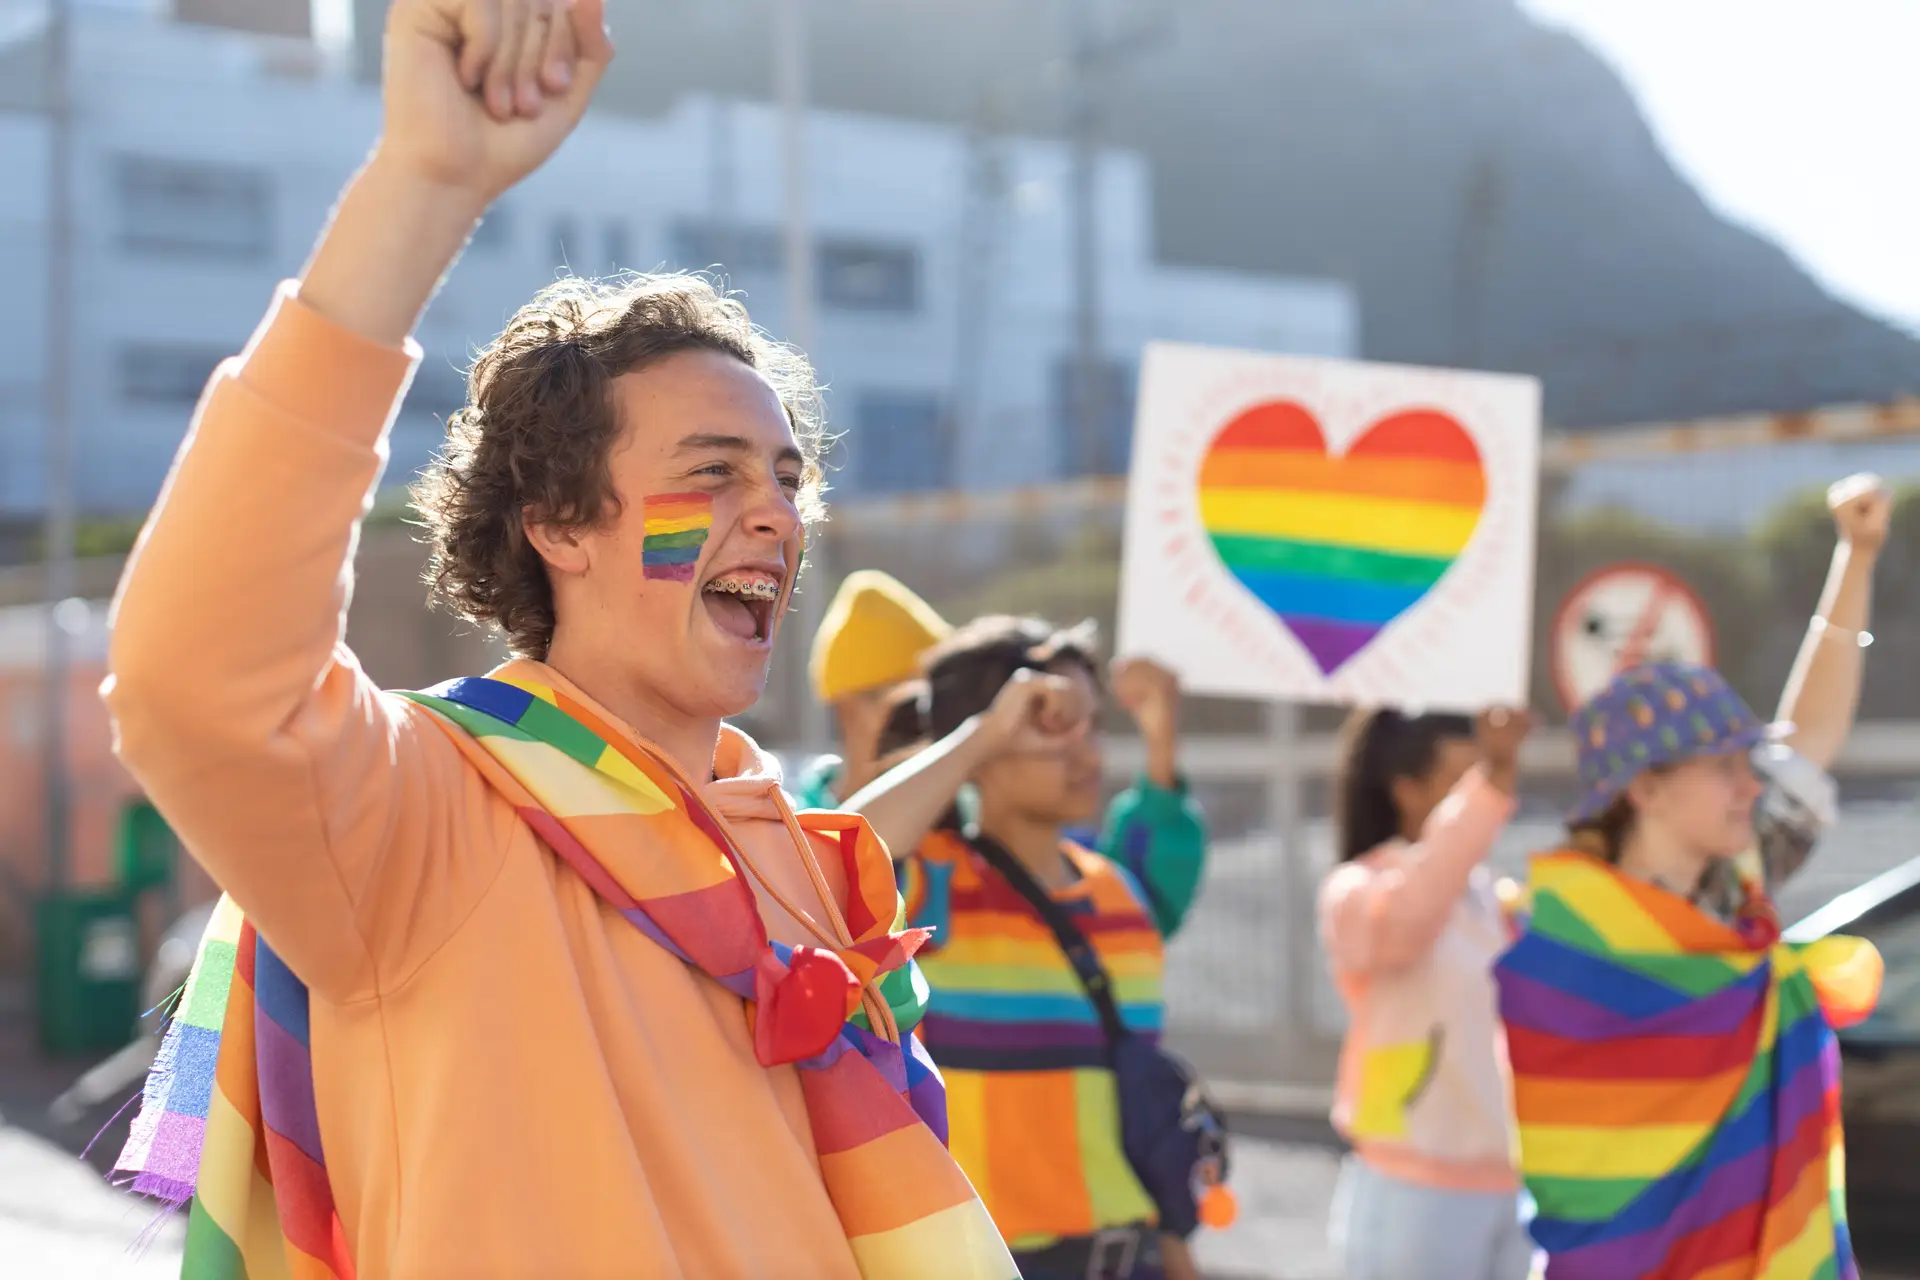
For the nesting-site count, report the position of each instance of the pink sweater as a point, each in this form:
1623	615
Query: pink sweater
1412	932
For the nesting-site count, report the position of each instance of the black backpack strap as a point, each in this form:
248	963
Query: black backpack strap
1080	953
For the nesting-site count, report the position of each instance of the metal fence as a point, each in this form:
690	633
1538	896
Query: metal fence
1734	507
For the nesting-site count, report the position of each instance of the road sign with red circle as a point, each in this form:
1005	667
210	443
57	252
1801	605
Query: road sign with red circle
1618	617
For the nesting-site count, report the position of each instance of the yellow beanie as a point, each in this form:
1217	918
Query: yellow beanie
873	635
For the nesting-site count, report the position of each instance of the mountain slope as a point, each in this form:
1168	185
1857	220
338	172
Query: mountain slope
1488	185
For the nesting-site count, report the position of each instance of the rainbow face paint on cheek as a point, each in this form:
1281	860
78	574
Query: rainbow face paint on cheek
676	528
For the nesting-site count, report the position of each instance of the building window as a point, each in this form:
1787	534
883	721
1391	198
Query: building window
495	231
736	250
899	442
1112	445
171	206
866	275
166	373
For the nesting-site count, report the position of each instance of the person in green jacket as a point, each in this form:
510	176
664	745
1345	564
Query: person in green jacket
1153	829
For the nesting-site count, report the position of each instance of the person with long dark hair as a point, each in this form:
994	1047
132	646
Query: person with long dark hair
1412	929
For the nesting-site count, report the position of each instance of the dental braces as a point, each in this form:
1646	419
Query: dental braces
747	590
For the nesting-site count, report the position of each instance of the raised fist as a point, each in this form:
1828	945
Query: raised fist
1862	510
1498	732
1034	712
479	93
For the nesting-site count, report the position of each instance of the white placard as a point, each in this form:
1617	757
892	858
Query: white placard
1619	617
1331	531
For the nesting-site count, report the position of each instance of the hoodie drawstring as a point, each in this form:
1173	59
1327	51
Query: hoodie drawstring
879	1015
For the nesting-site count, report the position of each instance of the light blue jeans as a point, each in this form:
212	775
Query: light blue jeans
1385	1229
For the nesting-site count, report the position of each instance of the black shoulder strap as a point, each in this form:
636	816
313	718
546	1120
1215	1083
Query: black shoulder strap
1080	953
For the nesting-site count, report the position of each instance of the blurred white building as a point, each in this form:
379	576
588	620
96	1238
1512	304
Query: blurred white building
205	160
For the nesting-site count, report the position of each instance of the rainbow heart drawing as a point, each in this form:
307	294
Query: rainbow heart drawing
1337	547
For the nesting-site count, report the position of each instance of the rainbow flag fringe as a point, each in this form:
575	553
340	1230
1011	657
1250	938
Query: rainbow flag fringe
228	1119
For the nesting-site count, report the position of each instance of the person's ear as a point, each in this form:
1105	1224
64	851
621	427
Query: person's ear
563	549
1643	789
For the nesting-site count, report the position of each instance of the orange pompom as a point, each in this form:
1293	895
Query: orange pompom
1219	1207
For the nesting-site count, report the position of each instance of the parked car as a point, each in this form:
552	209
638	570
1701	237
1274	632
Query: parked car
1880	1073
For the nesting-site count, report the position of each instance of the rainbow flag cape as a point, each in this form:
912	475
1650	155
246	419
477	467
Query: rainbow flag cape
228	1119
1676	1082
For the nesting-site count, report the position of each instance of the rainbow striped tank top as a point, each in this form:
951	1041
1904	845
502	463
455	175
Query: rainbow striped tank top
1033	1108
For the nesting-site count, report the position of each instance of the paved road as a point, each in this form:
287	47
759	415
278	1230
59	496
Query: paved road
59	1219
1284	1191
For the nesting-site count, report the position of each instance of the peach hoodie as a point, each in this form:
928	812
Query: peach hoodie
1412	933
512	1081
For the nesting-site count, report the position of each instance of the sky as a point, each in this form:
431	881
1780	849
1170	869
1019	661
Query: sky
333	22
1797	118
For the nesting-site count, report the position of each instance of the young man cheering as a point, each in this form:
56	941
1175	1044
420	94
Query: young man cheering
538	974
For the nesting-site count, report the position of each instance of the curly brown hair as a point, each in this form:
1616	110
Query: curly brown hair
539	427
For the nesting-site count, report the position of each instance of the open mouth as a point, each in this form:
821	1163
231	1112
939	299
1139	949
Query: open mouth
742	604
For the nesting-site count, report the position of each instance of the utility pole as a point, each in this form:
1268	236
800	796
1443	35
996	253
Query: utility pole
722	201
1091	55
984	192
790	82
58	464
1479	212
1286	818
790	76
1088	383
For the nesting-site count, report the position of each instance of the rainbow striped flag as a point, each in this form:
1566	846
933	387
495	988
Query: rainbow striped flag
1676	1082
228	1116
676	528
228	1119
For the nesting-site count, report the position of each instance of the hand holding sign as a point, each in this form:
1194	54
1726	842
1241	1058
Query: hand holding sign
1498	733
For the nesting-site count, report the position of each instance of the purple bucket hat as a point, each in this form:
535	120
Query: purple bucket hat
1658	714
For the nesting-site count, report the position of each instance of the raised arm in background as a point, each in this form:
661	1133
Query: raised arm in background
1153	828
236	704
1822	694
1379	914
